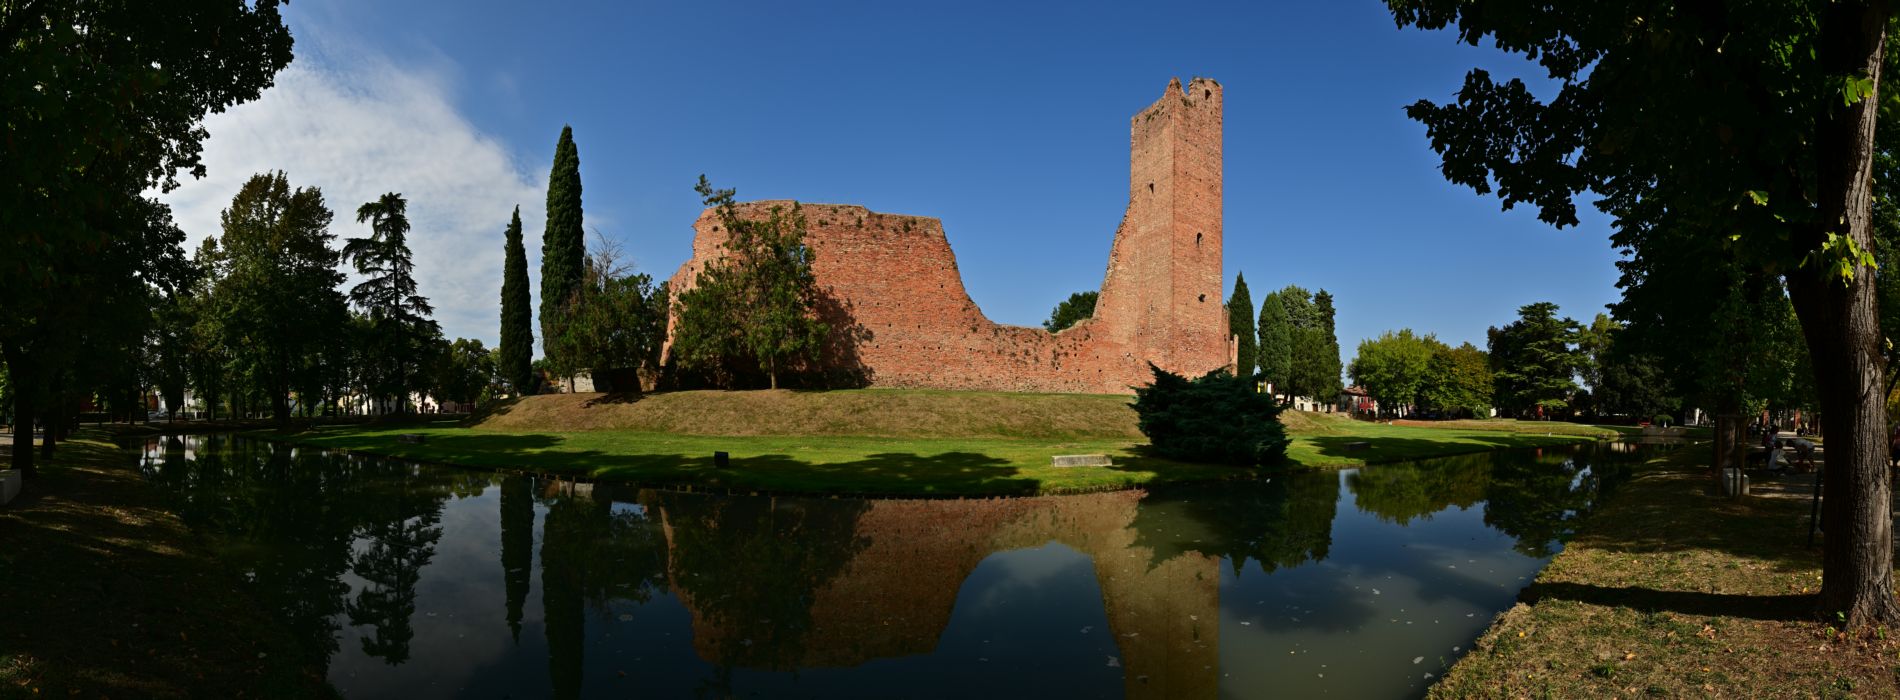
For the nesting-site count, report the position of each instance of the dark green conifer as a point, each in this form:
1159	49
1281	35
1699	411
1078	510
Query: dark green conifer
517	319
563	244
1276	343
1240	324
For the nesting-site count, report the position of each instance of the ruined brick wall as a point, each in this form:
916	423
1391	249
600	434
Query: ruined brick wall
893	280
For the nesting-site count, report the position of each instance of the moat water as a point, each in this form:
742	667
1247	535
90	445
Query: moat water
415	581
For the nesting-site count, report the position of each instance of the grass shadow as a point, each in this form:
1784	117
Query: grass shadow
1374	449
615	398
1784	608
882	473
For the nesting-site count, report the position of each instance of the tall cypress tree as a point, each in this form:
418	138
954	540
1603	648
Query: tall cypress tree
1240	324
517	319
1276	343
563	245
1328	361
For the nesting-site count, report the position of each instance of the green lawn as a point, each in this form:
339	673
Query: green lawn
1329	445
935	466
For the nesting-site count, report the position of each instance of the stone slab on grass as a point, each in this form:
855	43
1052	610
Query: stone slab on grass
1081	461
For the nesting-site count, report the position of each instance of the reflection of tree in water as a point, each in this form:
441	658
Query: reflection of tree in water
517	545
1398	493
1538	496
1535	496
589	554
1282	521
401	542
751	568
289	518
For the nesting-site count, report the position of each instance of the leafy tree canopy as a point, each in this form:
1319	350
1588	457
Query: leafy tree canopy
758	301
1534	361
1068	312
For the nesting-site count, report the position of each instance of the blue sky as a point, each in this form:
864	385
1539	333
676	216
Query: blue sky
1008	121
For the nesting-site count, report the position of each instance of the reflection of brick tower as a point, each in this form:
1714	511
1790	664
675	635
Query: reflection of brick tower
896	595
1161	299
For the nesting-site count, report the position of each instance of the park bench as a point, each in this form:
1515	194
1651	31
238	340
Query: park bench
410	438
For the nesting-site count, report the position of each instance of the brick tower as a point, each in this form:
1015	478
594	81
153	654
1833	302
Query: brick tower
901	304
1161	297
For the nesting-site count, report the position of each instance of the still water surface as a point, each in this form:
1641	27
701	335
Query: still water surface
408	580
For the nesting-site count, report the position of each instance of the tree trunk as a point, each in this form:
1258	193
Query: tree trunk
23	432
49	433
23	389
1840	322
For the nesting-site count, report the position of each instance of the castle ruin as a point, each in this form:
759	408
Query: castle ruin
907	321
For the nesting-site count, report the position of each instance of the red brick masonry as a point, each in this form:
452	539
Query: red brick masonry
896	280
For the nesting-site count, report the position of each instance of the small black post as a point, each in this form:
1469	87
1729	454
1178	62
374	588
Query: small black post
721	460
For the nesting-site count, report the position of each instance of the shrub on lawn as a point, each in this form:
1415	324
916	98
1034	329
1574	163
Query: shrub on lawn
1218	418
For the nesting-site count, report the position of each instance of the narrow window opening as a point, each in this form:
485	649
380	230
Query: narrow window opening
1207	93
1151	188
1197	240
1203	298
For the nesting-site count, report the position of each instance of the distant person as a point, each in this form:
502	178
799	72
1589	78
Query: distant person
1803	454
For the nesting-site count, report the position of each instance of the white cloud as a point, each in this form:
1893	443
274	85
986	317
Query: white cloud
362	127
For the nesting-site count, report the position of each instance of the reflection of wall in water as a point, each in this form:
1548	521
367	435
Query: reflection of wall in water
895	593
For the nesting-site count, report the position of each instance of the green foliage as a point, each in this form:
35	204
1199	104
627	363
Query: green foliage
1395	368
1276	343
464	371
388	296
515	357
758	301
1533	361
1593	344
1459	381
615	319
169	348
563	243
1313	365
1633	384
1240	325
1078	306
278	265
1626	377
103	101
1217	418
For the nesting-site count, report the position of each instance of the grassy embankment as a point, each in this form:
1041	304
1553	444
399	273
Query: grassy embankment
109	595
878	441
1668	591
